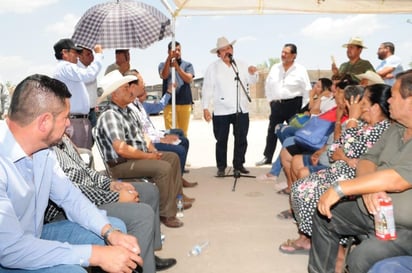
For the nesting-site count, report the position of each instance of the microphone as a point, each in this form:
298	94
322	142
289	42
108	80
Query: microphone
232	61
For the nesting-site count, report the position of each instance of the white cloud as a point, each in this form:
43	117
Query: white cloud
14	68
326	28
24	6
65	28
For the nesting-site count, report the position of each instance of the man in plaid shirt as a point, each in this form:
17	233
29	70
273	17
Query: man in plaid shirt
136	203
124	147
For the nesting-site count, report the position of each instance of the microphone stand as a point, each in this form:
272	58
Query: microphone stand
236	173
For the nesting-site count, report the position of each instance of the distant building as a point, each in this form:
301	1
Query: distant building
257	91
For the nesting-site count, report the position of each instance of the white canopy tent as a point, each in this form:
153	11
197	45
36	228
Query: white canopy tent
249	7
208	7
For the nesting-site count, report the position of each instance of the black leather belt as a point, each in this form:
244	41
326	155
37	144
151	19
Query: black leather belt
78	116
286	100
114	162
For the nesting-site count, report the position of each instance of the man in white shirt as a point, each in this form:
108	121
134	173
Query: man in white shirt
287	91
75	77
86	57
390	65
230	104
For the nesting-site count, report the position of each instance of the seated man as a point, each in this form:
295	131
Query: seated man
126	152
384	172
30	175
136	204
162	141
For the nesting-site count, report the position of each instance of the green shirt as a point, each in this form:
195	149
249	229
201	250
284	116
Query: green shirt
361	66
390	152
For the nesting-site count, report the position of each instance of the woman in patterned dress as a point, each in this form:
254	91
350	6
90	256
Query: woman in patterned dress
344	154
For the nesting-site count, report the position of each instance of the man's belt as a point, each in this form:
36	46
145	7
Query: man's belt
286	100
114	162
78	116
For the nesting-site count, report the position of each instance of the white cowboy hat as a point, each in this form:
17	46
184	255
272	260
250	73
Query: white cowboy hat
372	77
113	80
355	41
221	42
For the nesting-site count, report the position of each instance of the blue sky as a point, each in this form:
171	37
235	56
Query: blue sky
30	28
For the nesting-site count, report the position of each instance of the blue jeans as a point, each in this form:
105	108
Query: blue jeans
285	131
400	264
66	231
277	165
181	149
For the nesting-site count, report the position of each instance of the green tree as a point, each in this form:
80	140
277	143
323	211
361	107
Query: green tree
266	65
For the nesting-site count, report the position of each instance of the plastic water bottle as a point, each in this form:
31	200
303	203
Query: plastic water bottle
179	203
197	249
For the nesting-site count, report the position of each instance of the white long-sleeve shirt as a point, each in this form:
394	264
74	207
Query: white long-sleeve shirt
219	85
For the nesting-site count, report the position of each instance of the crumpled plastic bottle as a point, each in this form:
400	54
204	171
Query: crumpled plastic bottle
197	249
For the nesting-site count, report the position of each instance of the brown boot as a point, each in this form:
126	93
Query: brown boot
171	222
188	199
187	184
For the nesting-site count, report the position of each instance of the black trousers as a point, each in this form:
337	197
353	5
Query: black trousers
221	126
280	111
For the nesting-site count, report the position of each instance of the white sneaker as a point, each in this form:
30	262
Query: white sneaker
265	177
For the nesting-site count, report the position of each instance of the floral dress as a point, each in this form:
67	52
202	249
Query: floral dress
306	191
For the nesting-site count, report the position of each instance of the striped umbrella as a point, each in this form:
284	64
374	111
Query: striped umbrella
121	24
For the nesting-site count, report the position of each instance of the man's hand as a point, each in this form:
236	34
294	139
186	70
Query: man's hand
128	196
334	69
98	49
326	201
118	185
371	201
169	139
114	259
154	155
206	115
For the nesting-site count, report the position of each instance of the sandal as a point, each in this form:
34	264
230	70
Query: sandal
285	215
290	247
284	191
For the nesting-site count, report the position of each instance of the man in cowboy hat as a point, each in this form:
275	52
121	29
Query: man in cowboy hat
355	65
126	151
230	103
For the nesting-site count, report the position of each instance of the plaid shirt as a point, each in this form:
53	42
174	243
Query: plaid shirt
119	124
95	186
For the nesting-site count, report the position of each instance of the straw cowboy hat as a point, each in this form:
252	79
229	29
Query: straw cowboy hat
113	80
372	77
355	41
221	42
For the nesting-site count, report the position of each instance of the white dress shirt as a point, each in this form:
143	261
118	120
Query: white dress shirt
282	85
75	77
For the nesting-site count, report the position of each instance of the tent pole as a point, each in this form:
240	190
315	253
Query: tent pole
173	70
173	76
